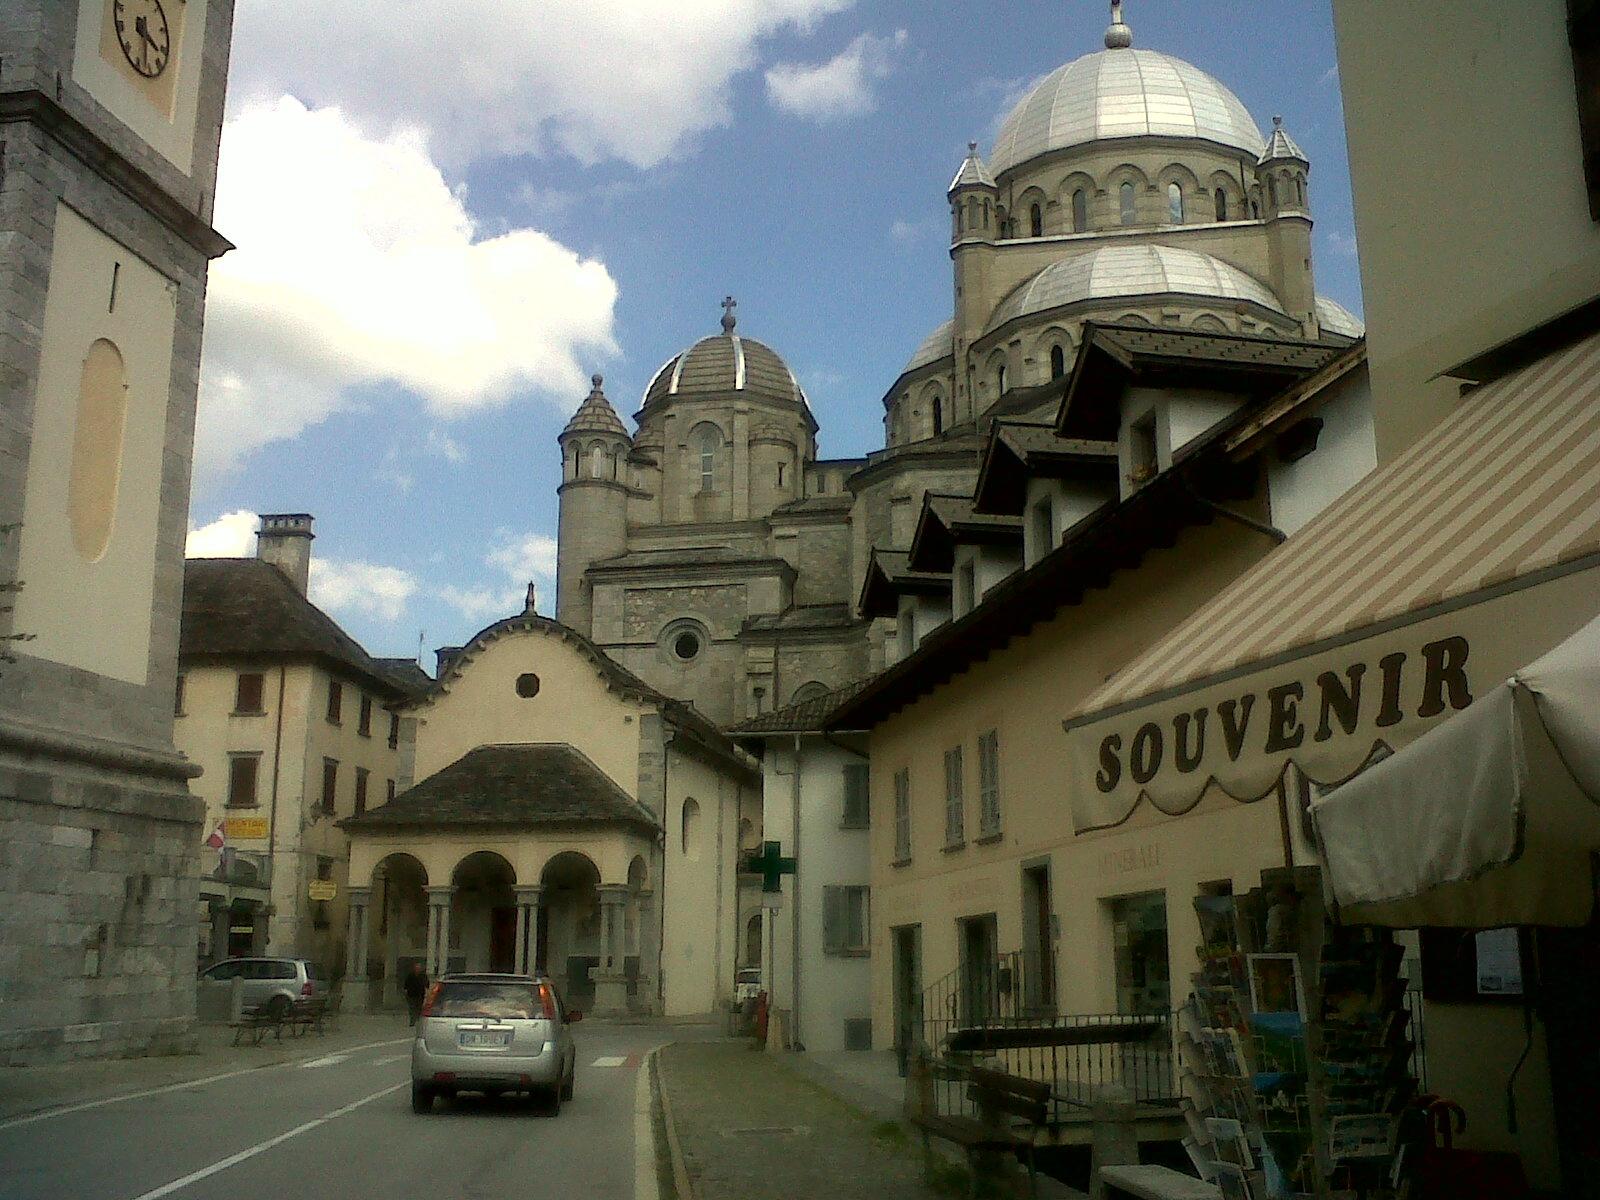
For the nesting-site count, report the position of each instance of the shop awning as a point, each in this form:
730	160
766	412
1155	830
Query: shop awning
1490	819
1416	593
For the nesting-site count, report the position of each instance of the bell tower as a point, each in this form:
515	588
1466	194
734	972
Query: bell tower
112	112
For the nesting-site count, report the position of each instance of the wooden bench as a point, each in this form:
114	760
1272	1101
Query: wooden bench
257	1021
1156	1183
308	1013
999	1099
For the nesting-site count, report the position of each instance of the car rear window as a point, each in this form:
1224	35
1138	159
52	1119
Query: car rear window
313	971
499	1001
280	970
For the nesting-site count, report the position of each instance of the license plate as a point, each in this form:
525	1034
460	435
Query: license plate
483	1040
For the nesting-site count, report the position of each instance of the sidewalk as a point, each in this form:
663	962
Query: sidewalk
26	1090
751	1127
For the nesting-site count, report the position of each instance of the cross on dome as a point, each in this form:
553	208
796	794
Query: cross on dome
1119	36
728	319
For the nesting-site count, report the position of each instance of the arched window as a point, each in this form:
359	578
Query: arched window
1036	221
1272	191
1058	362
1300	189
1174	204
938	415
1125	195
691	829
1255	209
1222	205
1000	380
972	213
1080	211
597	461
708	438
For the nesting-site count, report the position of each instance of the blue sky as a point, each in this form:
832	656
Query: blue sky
432	261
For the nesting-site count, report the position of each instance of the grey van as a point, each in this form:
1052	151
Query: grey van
274	982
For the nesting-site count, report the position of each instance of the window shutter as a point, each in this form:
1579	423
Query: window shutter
832	925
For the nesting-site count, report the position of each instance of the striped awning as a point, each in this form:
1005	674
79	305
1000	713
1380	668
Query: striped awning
1504	492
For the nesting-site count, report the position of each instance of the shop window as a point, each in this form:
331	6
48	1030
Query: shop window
247	693
857	796
844	920
243	771
955	804
902	815
1139	941
335	701
1080	211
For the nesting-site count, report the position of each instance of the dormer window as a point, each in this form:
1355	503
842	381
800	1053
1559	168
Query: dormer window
1142	462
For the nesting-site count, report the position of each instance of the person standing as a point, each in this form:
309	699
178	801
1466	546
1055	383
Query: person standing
415	986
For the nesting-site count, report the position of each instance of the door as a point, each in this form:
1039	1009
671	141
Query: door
503	939
907	991
1038	932
980	1002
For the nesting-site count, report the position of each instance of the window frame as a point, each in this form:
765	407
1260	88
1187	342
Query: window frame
989	816
260	710
857	808
394	731
1127	203
235	757
335	713
364	717
362	775
388	791
1036	220
1219	200
329	802
1080	211
955	799
846	920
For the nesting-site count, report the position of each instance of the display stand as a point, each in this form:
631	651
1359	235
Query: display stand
1295	1049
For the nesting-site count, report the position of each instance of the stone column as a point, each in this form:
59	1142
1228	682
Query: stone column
355	951
610	982
221	926
391	950
527	927
439	929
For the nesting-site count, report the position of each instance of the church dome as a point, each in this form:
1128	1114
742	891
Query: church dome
1132	271
715	366
1121	93
938	344
1337	319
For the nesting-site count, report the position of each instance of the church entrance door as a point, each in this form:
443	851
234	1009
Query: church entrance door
503	939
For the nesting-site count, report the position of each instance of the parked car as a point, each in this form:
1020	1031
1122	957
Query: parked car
746	985
493	1034
274	982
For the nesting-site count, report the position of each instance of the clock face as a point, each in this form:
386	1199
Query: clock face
144	35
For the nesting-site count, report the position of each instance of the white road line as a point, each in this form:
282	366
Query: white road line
393	1058
327	1060
69	1109
235	1159
616	1060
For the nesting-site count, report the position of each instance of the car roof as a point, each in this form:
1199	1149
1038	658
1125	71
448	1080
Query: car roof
491	977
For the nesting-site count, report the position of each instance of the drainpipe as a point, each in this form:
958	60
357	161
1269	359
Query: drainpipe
794	916
272	809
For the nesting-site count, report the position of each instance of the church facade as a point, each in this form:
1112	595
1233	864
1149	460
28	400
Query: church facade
713	553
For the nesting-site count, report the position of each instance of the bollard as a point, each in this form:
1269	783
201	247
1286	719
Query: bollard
1116	1134
235	999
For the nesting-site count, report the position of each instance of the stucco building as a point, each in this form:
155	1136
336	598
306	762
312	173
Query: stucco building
110	173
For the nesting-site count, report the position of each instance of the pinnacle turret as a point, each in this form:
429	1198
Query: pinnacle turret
595	414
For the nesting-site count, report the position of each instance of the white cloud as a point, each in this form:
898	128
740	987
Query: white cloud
484	603
445	446
362	587
524	556
907	232
358	265
598	79
840	87
521	558
232	535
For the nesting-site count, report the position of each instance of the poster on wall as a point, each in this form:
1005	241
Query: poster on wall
1499	963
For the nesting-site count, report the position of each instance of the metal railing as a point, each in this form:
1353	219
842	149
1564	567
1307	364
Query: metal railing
1002	1013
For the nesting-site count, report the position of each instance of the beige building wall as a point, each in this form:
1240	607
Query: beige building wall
1022	693
479	706
1466	240
700	937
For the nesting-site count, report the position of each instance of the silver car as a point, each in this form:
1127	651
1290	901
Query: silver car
493	1034
275	983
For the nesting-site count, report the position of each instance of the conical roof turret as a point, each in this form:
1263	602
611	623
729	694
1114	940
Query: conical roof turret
972	173
595	415
1281	146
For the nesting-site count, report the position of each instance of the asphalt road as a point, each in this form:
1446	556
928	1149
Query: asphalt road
340	1127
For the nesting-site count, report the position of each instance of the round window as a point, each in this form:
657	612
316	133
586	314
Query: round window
686	645
528	685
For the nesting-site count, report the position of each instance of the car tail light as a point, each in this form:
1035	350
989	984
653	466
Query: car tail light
444	1076
427	1001
305	988
547	997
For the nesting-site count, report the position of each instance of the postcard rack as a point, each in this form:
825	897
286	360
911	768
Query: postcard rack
1294	1049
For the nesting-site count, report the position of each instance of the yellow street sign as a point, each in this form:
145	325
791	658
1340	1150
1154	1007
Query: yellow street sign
322	889
246	828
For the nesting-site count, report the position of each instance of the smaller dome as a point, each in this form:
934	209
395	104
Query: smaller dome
1335	318
728	363
1132	271
938	344
595	415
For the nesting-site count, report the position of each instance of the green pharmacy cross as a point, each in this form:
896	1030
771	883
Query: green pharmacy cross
769	863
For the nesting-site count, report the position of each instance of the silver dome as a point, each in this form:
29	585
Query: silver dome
1123	93
1336	318
938	344
1130	271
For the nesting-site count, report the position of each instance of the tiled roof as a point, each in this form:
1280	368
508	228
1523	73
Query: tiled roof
806	716
510	786
1281	145
804	616
407	674
595	415
247	608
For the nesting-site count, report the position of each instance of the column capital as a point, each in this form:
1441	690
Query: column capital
528	893
441	894
359	895
613	893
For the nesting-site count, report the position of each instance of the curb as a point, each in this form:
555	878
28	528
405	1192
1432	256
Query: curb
681	1183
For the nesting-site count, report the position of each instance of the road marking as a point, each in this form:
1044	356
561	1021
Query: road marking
393	1058
611	1060
69	1109
235	1159
327	1060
